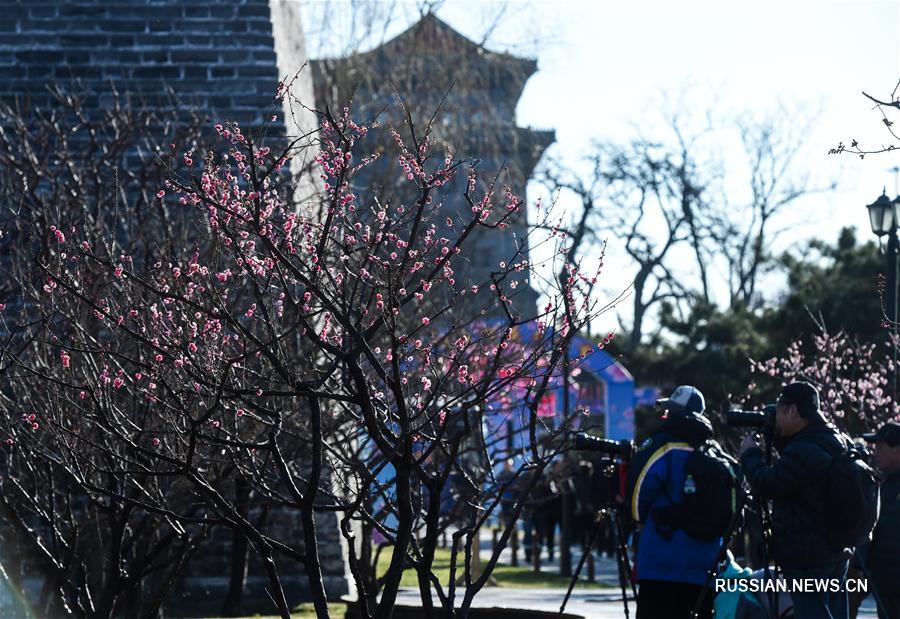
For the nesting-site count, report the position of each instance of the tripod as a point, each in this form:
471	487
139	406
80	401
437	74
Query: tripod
611	514
765	521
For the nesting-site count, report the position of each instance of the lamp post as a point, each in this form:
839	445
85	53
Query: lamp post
884	215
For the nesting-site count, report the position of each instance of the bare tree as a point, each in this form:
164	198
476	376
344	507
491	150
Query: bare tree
669	201
647	196
743	234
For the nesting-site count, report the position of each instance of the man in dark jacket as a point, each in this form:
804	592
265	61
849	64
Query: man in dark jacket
797	485
883	558
671	566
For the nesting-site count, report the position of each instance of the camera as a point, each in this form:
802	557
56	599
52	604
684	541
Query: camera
586	442
751	419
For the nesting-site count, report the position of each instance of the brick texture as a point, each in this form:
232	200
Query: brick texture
217	56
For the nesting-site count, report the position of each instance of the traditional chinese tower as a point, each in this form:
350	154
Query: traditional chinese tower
432	67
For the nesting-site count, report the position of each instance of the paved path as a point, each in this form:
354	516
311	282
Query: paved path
591	604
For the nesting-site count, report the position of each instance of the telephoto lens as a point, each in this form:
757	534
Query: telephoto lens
745	419
750	419
586	442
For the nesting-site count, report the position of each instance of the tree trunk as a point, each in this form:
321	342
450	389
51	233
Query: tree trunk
231	606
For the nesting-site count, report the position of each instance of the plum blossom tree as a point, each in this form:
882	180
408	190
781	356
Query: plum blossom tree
95	552
324	356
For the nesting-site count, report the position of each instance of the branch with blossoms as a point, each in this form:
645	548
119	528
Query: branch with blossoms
853	378
327	354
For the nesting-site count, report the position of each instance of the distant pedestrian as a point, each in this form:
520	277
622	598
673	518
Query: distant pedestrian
509	492
882	555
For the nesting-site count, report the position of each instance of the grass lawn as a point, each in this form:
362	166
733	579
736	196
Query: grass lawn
506	576
306	611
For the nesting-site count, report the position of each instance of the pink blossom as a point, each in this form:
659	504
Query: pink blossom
64	357
426	320
118	271
161	193
118	382
156	442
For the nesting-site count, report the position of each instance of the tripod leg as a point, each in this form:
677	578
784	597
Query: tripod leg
767	539
581	561
622	561
623	550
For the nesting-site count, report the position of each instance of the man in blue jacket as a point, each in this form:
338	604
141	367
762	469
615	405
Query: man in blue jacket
671	566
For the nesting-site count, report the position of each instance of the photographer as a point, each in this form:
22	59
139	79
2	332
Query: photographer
671	565
797	485
883	553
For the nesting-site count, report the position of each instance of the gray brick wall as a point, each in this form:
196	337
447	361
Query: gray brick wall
218	56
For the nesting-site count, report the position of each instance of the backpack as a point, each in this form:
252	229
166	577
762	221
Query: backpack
713	500
852	496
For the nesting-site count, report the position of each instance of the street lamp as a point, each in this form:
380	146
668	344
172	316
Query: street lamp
881	215
884	215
